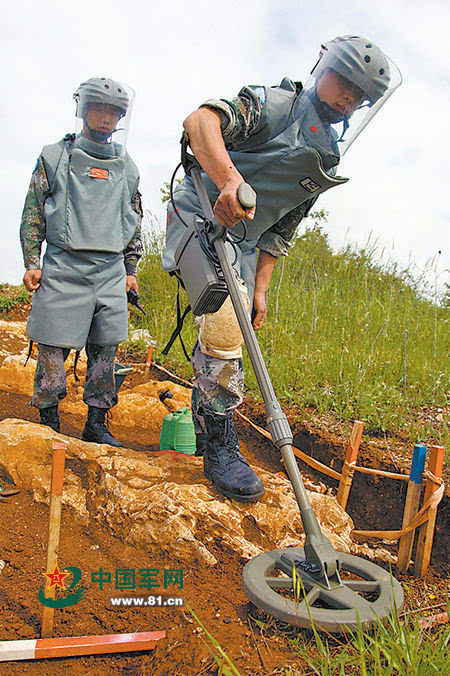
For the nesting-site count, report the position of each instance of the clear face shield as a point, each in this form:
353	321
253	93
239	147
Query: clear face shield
347	87
103	116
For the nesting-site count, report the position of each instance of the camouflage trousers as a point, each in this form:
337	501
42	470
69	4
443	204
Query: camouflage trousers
50	376
218	386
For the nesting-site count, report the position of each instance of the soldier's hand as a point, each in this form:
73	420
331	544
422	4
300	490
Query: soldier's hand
132	284
31	279
259	310
227	208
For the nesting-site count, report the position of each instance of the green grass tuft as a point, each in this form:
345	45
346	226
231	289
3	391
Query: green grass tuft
360	338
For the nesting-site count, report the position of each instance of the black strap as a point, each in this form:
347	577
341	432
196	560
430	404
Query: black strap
30	349
51	180
179	326
75	362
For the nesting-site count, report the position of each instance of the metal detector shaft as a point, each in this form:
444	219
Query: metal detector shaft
318	549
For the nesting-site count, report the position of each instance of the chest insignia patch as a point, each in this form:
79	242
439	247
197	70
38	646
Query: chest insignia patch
96	172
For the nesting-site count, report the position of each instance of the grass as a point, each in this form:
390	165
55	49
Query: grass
12	296
224	663
399	647
359	337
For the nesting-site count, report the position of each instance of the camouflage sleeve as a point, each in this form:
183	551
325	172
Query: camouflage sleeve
134	250
277	240
240	117
32	226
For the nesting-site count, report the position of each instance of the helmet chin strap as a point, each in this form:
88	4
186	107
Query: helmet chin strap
329	114
326	112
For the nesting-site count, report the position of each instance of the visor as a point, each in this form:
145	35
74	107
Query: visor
347	96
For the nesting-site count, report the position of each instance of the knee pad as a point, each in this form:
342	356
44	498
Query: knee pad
220	334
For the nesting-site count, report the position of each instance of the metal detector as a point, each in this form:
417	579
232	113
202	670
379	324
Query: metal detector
314	584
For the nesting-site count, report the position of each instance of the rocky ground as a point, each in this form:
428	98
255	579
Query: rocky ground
106	498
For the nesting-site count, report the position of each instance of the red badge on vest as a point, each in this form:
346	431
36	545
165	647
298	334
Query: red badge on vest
96	172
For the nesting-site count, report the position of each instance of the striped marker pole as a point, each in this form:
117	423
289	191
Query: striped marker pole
44	648
148	362
426	531
411	505
59	459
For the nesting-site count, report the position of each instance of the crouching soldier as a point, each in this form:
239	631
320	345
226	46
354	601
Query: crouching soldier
84	201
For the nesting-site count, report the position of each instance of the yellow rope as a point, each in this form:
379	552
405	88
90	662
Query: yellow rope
418	520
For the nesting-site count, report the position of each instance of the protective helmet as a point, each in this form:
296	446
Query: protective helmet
360	61
101	90
336	115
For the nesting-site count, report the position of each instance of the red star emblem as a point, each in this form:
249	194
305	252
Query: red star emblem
56	577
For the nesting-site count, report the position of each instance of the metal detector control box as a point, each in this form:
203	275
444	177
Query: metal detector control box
203	280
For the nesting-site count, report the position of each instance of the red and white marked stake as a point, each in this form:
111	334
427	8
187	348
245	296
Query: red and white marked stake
348	469
56	489
148	362
44	648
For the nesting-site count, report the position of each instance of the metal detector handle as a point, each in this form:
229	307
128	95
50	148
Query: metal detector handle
247	199
246	196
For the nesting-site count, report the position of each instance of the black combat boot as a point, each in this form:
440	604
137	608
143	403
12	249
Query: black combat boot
223	463
200	443
49	416
96	430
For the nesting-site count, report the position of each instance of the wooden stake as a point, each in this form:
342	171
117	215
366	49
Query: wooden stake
59	457
426	531
148	362
32	649
411	505
348	469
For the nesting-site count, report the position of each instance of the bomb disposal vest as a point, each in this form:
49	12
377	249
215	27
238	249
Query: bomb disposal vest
89	208
284	163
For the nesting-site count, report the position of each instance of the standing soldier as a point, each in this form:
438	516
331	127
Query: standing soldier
286	142
84	201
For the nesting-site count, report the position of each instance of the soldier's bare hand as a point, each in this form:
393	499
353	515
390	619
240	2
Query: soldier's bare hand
259	310
132	284
227	208
31	279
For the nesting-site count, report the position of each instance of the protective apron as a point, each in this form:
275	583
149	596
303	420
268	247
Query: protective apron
285	171
89	223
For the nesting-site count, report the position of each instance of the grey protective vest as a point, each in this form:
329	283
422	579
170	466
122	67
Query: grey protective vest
89	206
281	165
89	222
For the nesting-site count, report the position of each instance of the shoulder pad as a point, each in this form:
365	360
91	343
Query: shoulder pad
288	85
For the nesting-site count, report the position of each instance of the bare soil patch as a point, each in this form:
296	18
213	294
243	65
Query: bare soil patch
215	594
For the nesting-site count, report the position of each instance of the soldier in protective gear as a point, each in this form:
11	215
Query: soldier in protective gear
286	142
84	201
